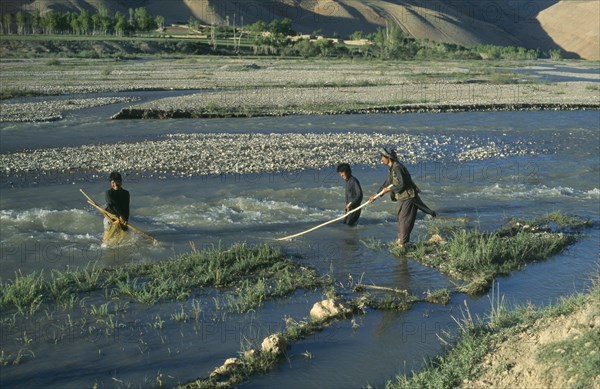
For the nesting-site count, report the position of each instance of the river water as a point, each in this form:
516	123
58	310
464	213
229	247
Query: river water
46	225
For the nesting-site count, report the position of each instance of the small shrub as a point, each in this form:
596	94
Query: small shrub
53	62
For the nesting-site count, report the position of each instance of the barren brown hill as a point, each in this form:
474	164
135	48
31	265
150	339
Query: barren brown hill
574	26
571	25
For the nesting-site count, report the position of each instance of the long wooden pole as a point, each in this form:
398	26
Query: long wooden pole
114	218
334	220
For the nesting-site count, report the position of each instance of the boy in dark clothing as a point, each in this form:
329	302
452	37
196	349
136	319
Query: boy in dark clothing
117	200
353	193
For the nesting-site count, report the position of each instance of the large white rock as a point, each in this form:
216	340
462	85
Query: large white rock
274	344
327	309
227	367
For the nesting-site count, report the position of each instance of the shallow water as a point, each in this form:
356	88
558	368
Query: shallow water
46	224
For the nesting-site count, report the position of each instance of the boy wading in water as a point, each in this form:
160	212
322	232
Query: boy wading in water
404	191
354	194
117	203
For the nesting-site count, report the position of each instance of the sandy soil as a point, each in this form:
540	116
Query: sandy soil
569	24
515	363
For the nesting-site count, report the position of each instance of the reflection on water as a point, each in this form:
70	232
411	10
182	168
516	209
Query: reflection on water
48	225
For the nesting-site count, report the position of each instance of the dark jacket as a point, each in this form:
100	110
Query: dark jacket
403	185
354	194
117	202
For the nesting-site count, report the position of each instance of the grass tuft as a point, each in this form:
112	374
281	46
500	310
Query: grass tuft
477	257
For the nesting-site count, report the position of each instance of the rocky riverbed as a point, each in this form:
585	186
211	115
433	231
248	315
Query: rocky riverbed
183	155
230	87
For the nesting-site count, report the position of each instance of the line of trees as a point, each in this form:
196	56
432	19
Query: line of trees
386	43
82	23
271	38
392	43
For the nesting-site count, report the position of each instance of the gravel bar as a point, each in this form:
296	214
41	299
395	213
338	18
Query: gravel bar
186	155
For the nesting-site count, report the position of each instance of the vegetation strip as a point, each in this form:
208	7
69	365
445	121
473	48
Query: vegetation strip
174	279
255	359
477	257
153	113
94	302
258	360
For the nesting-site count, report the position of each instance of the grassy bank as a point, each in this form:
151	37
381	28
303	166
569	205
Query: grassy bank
477	257
556	345
258	273
208	286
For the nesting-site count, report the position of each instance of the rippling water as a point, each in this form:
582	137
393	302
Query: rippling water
46	224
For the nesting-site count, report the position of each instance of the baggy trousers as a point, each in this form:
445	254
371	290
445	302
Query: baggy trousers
407	214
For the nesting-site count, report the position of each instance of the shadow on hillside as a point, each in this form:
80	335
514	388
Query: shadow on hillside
328	20
516	18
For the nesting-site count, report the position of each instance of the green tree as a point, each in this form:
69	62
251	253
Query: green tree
160	22
103	11
193	23
95	18
143	20
120	23
555	54
306	48
257	28
7	23
36	21
105	22
275	27
131	20
51	22
285	27
356	35
21	20
74	23
85	21
325	46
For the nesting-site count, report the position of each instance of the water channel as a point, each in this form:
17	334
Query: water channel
47	225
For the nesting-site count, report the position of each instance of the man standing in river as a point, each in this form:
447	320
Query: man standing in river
402	188
354	194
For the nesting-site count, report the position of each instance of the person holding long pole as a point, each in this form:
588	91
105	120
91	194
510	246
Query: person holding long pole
353	194
117	203
402	189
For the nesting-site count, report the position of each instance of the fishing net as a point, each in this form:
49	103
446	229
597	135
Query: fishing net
114	234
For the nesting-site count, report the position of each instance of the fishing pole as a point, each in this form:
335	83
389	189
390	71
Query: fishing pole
337	218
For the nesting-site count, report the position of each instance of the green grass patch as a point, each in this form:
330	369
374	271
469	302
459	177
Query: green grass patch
450	369
239	266
477	257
